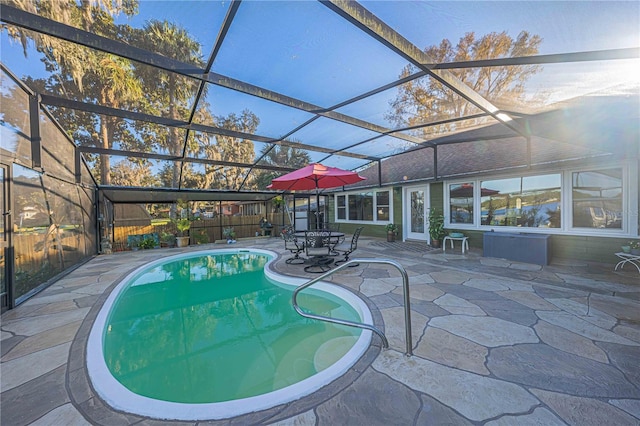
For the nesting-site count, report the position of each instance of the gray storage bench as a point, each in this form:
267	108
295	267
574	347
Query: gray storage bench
520	247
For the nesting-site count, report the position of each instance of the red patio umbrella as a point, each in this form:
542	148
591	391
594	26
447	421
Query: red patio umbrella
466	191
315	176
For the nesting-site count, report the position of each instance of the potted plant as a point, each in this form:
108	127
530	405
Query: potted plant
183	226
277	202
635	247
392	231
229	234
436	227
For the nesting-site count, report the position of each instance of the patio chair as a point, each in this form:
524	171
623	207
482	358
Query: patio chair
292	244
347	248
317	247
334	227
266	227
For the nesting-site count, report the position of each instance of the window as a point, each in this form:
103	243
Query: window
597	199
369	206
594	201
361	206
530	202
341	207
461	202
382	205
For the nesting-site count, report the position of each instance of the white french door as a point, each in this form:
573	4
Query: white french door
415	208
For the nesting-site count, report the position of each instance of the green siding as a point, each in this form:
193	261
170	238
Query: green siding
592	249
595	249
397	212
436	196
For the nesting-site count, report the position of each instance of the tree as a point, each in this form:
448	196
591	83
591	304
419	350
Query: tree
86	14
117	86
133	173
425	100
231	149
85	74
168	94
280	155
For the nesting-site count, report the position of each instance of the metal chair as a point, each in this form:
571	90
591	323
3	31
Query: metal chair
292	244
317	247
266	227
347	248
334	227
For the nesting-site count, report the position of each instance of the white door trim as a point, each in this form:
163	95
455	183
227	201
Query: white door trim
406	212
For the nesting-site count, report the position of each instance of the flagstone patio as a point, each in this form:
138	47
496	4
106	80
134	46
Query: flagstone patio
495	343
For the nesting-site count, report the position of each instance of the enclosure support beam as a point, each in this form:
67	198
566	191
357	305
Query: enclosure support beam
372	25
77	157
36	140
132	115
164	157
435	162
556	58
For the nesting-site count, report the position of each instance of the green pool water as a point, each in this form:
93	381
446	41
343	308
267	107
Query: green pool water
213	328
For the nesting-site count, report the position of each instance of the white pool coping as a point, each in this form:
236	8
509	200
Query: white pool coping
121	398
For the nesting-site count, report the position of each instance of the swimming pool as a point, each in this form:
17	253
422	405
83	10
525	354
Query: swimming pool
160	342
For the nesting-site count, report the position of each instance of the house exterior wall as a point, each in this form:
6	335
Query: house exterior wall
585	245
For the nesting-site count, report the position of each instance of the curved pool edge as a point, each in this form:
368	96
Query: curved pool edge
120	398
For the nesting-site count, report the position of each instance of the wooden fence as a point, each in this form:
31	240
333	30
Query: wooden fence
202	230
40	255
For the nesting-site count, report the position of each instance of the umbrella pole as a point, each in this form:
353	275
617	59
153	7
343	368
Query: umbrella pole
318	209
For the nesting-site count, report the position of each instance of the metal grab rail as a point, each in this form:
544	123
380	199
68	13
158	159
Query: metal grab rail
407	308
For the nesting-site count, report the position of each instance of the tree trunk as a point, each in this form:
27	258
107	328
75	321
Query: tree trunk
177	148
105	161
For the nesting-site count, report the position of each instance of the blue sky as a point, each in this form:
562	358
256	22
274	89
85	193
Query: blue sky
565	26
297	30
304	50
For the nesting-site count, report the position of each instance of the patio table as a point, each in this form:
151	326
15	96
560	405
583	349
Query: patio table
334	239
634	259
320	260
335	236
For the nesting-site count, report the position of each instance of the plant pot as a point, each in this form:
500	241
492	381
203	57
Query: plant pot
391	237
435	243
182	241
626	249
635	251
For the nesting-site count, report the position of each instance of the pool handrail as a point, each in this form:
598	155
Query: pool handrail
407	308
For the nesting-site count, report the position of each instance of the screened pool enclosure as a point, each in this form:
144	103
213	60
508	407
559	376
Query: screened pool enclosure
131	113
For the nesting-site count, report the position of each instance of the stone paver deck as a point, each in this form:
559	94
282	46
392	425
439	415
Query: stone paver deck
495	343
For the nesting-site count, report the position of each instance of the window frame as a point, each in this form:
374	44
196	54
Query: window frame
630	196
626	202
373	191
